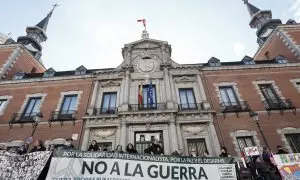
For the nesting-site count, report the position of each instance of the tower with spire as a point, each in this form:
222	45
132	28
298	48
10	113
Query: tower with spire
262	21
36	35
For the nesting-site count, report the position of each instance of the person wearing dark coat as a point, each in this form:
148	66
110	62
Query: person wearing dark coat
177	153
119	149
68	145
224	152
94	146
264	170
280	150
39	146
130	149
155	148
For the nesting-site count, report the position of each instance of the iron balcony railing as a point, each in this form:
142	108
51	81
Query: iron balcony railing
24	117
105	111
230	107
279	104
147	107
190	106
63	115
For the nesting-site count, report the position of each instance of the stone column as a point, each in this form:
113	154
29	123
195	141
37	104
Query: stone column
118	135
123	135
126	91
173	136
85	141
179	137
94	98
168	89
214	139
121	92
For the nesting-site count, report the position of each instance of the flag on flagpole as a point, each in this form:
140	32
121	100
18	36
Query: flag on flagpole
150	94
143	21
140	96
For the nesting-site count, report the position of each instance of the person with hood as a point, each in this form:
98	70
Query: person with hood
94	146
119	149
264	170
39	146
68	145
280	150
224	152
130	149
155	148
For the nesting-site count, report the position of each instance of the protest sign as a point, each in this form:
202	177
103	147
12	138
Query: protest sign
25	167
77	165
288	165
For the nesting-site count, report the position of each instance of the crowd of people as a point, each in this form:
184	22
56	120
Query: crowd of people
255	167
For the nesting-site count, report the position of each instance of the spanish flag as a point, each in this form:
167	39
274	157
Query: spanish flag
140	95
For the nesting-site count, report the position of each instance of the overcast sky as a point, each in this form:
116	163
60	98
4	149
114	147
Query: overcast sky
92	32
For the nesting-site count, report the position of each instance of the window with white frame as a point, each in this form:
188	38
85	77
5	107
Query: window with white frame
294	141
109	103
245	141
19	75
32	107
269	93
187	98
228	96
2	104
69	104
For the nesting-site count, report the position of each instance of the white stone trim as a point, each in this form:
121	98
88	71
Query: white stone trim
28	96
9	63
295	81
224	84
101	91
62	96
283	132
276	88
7	98
243	133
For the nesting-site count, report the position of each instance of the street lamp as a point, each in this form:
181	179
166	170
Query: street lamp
36	119
254	116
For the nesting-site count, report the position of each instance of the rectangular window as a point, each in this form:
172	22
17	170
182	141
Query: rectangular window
146	99
245	141
105	146
196	147
109	103
32	107
2	104
187	99
249	62
69	104
144	139
298	85
294	142
228	96
269	94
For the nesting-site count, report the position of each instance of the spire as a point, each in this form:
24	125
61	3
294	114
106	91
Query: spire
252	9
43	24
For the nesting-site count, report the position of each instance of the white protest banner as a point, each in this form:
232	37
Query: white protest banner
25	167
77	165
251	151
288	165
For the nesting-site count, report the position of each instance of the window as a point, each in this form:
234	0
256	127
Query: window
249	62
146	98
19	76
69	104
269	94
214	64
49	73
298	85
281	60
228	96
2	104
196	147
80	70
105	146
294	142
245	141
187	99
109	103
32	107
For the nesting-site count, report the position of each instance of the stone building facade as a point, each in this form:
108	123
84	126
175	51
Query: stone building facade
180	116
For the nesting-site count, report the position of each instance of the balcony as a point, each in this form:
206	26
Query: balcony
21	118
147	107
236	107
281	105
61	116
105	111
190	107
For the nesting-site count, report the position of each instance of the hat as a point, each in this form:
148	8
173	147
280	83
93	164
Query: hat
254	158
69	139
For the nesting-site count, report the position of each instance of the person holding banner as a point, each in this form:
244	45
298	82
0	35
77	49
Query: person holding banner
68	145
155	148
39	146
264	170
130	149
119	149
94	146
224	152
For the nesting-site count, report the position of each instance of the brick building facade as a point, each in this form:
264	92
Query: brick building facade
194	107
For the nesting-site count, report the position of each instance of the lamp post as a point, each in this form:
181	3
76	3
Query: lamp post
254	116
37	118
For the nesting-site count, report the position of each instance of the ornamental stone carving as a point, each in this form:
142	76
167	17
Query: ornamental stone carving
185	79
103	132
110	83
194	129
146	65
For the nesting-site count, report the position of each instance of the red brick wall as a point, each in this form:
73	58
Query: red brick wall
53	90
243	79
